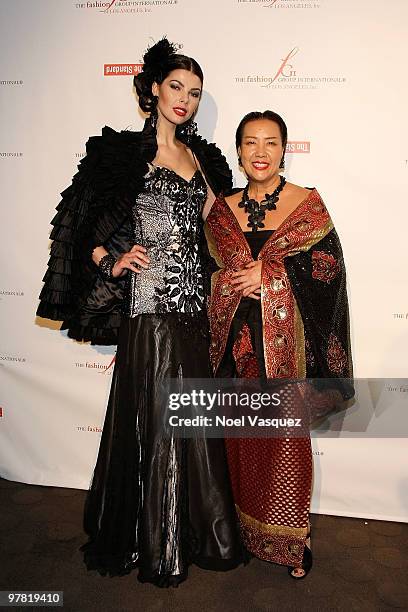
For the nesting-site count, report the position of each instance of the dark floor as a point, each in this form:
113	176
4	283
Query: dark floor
358	565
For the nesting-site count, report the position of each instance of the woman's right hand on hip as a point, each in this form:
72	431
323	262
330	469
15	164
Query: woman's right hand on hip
128	261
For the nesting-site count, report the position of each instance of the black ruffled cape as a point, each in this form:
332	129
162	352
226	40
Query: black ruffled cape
96	210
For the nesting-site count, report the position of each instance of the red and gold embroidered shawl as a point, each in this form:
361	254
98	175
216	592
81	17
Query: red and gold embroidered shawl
303	292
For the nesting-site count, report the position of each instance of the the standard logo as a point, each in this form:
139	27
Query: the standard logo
298	146
122	69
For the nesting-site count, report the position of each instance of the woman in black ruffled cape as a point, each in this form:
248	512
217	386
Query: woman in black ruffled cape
155	503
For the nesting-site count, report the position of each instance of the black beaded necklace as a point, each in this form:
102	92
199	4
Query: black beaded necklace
256	211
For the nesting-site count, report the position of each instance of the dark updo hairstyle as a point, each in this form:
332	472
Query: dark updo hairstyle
271	116
159	60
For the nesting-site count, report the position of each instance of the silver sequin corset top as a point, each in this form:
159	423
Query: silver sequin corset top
167	222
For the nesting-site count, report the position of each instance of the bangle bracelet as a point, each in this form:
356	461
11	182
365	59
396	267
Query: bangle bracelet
106	264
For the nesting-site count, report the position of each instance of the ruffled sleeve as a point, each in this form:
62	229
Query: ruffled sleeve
94	211
57	300
214	165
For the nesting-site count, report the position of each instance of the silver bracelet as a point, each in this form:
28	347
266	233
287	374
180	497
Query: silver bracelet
106	264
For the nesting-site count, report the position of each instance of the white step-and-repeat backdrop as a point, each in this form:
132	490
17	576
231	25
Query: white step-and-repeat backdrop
334	69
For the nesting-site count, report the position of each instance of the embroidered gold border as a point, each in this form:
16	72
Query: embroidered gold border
317	235
280	530
214	279
212	246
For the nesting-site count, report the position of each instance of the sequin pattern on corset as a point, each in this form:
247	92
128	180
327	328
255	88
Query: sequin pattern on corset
167	222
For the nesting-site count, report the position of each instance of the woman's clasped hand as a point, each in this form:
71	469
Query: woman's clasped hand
248	280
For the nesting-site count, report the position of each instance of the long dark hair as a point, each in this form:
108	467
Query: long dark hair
159	61
268	114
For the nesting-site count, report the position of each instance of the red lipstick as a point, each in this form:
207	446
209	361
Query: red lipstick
260	165
181	112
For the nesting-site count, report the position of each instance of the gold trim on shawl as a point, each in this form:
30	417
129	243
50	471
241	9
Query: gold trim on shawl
212	246
300	344
316	237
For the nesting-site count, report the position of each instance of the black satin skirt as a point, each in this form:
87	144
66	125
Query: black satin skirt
156	502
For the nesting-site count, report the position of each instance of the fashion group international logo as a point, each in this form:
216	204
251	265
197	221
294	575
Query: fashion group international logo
98	367
118	7
6	294
89	428
285	75
11	82
12	360
282	4
401	316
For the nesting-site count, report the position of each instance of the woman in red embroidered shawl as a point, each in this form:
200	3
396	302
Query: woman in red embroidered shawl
278	310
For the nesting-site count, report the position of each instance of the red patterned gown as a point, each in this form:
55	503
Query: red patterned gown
299	329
